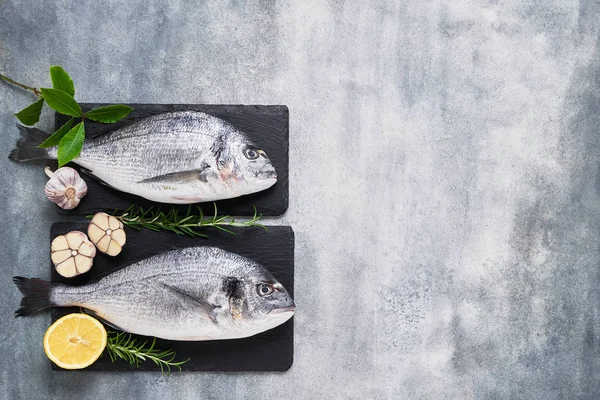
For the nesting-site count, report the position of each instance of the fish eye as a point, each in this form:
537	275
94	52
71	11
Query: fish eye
264	289
250	153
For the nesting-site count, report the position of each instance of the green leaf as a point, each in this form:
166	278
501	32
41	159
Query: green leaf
70	145
61	101
108	114
30	115
56	136
61	80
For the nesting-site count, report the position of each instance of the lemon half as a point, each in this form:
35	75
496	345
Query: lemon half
75	341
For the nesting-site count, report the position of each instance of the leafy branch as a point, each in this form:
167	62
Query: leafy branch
60	97
189	224
125	346
7	79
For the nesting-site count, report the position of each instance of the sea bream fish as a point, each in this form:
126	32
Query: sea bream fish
198	293
179	158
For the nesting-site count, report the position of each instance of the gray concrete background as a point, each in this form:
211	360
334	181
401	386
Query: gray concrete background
444	185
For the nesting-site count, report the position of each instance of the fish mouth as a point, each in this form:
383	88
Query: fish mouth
283	310
265	180
268	175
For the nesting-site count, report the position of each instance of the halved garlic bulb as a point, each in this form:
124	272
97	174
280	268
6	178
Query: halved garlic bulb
72	254
107	233
65	187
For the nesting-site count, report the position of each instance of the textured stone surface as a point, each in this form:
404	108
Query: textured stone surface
444	184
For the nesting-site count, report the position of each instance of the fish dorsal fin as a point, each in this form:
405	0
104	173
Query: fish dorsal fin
210	309
181	176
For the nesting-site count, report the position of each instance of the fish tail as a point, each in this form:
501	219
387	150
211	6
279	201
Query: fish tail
27	145
36	295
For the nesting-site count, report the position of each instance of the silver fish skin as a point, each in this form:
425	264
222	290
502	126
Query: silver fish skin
179	158
199	293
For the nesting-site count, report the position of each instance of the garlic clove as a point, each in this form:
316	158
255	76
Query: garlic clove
72	254
119	236
113	248
101	221
65	187
75	238
87	249
60	256
107	233
59	243
95	233
67	268
103	243
83	263
114	223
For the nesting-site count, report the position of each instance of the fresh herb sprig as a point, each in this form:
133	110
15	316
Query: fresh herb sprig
135	351
191	223
60	97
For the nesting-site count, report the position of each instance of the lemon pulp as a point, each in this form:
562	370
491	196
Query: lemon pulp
75	341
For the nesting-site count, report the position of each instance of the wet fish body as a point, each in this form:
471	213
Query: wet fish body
200	293
178	158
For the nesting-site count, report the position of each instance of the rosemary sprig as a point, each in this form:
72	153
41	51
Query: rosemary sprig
123	345
191	223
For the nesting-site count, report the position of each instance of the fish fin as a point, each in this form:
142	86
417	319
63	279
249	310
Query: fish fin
92	175
26	148
195	338
181	176
209	308
36	295
104	320
189	199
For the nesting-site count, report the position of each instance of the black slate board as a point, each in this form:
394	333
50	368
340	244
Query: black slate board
267	126
272	350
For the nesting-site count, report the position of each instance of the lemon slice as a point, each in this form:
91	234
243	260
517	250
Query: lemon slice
75	341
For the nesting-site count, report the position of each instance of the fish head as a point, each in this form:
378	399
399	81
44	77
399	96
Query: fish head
248	165
260	299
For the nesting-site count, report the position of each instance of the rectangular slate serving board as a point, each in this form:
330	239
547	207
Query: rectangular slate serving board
267	126
272	350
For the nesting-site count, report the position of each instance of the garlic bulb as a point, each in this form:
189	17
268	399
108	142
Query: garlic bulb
72	254
107	233
65	187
